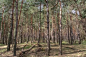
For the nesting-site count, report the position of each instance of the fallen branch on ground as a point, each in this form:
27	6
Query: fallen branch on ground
24	51
24	47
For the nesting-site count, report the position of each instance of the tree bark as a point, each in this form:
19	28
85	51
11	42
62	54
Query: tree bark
21	34
60	27
48	39
2	35
19	16
32	28
78	32
71	32
53	29
68	29
11	32
16	28
40	25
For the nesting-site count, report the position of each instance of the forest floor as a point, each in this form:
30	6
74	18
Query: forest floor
75	50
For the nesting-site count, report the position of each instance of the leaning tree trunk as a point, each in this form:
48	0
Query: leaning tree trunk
16	28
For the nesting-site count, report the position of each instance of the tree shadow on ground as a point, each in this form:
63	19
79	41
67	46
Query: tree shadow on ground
75	52
72	50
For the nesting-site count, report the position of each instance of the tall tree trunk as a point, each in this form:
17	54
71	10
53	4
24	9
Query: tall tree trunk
48	39
68	29
32	28
60	27
78	32
16	27
20	11
71	32
21	34
40	25
33	33
53	29
2	25
19	16
28	35
81	19
4	33
44	26
11	32
43	36
68	32
36	34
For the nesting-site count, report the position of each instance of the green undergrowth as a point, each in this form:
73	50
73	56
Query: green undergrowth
2	50
64	42
1	44
27	47
84	42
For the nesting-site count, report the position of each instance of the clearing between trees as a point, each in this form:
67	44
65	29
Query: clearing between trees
40	50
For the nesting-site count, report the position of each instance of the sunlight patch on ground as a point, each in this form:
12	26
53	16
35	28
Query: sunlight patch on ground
1	47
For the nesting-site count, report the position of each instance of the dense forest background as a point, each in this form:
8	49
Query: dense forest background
50	27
